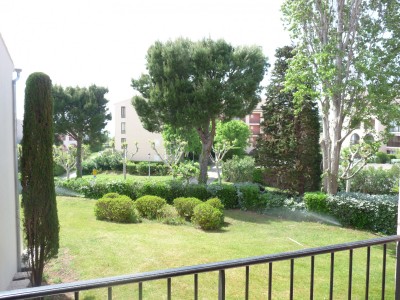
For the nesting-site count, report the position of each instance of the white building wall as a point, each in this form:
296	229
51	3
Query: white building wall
8	228
134	132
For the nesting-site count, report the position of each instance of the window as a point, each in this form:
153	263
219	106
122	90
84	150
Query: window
123	142
355	139
123	127
123	112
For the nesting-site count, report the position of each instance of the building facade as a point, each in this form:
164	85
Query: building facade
9	204
129	130
253	120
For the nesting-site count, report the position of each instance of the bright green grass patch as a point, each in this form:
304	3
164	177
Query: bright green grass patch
120	176
100	249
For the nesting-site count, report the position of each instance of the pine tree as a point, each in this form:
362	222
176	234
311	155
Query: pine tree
41	225
289	147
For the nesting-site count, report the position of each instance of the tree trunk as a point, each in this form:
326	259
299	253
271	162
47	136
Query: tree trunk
207	139
79	158
68	171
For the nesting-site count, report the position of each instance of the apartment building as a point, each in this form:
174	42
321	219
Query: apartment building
362	131
129	130
253	120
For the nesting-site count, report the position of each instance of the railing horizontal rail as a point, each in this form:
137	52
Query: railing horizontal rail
188	270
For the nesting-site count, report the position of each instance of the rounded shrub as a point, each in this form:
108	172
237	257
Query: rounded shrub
316	202
186	205
119	209
150	206
169	215
216	203
207	217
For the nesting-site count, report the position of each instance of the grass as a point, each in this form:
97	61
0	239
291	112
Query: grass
91	249
120	176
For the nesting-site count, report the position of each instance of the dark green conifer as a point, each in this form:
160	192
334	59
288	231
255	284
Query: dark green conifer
40	222
289	146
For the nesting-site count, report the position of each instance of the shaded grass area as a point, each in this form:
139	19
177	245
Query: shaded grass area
100	249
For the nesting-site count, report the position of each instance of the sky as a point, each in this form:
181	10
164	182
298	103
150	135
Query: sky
84	42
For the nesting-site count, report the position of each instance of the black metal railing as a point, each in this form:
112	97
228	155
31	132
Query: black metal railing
220	267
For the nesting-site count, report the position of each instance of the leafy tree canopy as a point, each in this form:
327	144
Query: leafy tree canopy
349	60
81	113
192	84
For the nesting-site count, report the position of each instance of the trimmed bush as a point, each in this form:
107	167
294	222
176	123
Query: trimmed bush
239	169
116	209
169	215
130	168
216	203
207	217
186	205
196	190
226	192
249	196
150	206
362	211
316	202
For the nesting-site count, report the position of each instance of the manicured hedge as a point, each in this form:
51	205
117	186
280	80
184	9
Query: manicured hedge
207	217
186	205
149	207
377	213
116	208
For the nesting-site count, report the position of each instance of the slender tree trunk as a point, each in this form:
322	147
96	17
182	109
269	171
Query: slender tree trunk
79	158
68	171
207	139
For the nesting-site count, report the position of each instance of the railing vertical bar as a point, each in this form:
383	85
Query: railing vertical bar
350	274
291	278
109	293
76	295
196	286
397	284
140	290
246	296
384	271
221	285
169	288
331	275
312	278
270	281
367	273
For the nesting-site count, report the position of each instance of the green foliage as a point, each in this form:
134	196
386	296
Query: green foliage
186	205
333	64
189	136
108	160
82	113
376	181
115	208
169	215
289	146
57	169
39	205
381	158
258	176
235	132
216	203
188	170
203	73
226	193
249	196
316	202
149	206
196	190
367	212
239	169
207	217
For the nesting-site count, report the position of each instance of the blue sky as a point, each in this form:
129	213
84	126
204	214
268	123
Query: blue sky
83	42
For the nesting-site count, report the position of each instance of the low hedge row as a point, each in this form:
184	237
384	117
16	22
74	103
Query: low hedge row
377	213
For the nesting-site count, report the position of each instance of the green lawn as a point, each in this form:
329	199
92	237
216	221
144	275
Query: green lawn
120	176
92	249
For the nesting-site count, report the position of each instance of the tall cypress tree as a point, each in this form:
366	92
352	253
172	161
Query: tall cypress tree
289	145
41	225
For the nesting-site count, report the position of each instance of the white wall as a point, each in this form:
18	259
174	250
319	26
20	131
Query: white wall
134	132
8	232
